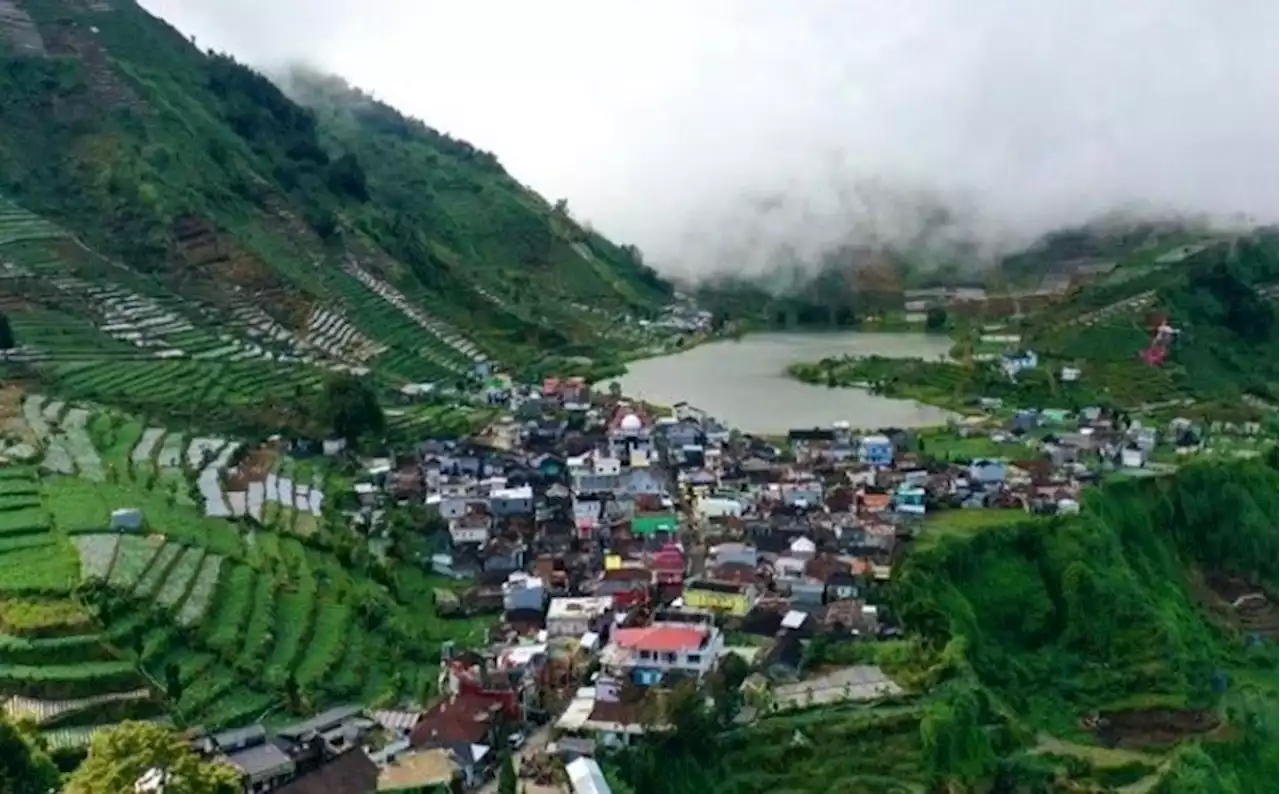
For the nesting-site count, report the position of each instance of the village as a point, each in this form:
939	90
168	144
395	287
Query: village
618	551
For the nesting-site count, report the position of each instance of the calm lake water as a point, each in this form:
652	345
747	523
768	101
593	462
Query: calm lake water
744	383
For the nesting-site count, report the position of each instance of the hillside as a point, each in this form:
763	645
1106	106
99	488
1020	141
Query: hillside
1025	631
168	216
245	590
1218	294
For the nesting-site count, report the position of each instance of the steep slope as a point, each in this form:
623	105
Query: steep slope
148	171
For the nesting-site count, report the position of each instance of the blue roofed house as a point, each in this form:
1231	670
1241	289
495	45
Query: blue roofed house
876	450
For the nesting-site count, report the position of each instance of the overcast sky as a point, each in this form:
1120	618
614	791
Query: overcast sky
712	132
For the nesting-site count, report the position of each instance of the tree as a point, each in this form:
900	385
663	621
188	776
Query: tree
508	781
7	342
346	176
172	682
350	408
936	319
120	757
24	769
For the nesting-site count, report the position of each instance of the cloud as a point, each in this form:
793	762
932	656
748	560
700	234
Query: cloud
721	135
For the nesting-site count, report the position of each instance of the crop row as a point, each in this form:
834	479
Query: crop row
49	568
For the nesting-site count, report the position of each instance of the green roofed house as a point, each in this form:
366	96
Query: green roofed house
653	523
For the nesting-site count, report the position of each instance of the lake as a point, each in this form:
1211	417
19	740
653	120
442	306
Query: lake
744	382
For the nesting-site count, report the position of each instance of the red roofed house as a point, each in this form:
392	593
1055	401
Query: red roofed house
668	566
646	654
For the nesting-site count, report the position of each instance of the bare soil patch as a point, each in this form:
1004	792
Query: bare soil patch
1244	605
260	462
1153	727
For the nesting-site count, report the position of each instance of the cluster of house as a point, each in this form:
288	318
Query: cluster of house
620	553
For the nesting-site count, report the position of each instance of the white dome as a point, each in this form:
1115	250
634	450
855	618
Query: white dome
630	422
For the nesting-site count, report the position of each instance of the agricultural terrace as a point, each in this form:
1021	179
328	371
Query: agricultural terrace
147	573
96	331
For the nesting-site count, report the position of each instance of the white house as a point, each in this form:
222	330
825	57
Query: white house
647	653
1133	457
574	617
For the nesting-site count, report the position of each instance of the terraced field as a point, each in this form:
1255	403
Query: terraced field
99	331
215	618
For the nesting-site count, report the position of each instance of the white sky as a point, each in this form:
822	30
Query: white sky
666	122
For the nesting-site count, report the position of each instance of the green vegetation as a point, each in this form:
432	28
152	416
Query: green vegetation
24	767
350	408
187	242
1026	630
1226	347
197	618
119	758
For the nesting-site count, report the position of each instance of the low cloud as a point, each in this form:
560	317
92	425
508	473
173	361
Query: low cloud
735	135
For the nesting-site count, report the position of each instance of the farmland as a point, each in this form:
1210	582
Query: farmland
200	604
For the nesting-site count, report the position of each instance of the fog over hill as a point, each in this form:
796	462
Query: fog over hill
732	135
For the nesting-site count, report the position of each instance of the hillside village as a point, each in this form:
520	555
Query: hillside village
609	551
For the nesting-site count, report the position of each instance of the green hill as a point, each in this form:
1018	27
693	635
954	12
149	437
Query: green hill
1024	631
171	216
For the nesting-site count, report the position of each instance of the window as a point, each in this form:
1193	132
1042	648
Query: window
669	658
695	659
646	656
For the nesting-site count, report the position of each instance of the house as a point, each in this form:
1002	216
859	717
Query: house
646	654
585	777
126	519
732	598
348	772
668	565
261	763
1021	361
522	591
595	472
467	726
1133	457
471	528
511	501
629	434
653	523
876	450
909	499
640	481
627	585
574	617
987	472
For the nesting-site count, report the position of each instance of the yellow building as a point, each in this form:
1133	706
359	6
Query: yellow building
724	597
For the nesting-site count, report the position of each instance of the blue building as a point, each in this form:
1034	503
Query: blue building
876	450
909	499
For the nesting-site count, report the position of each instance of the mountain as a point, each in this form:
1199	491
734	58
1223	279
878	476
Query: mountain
171	215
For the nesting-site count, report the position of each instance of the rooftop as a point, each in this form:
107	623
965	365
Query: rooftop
562	608
662	638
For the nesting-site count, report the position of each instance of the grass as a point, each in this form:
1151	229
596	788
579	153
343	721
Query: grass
968	522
